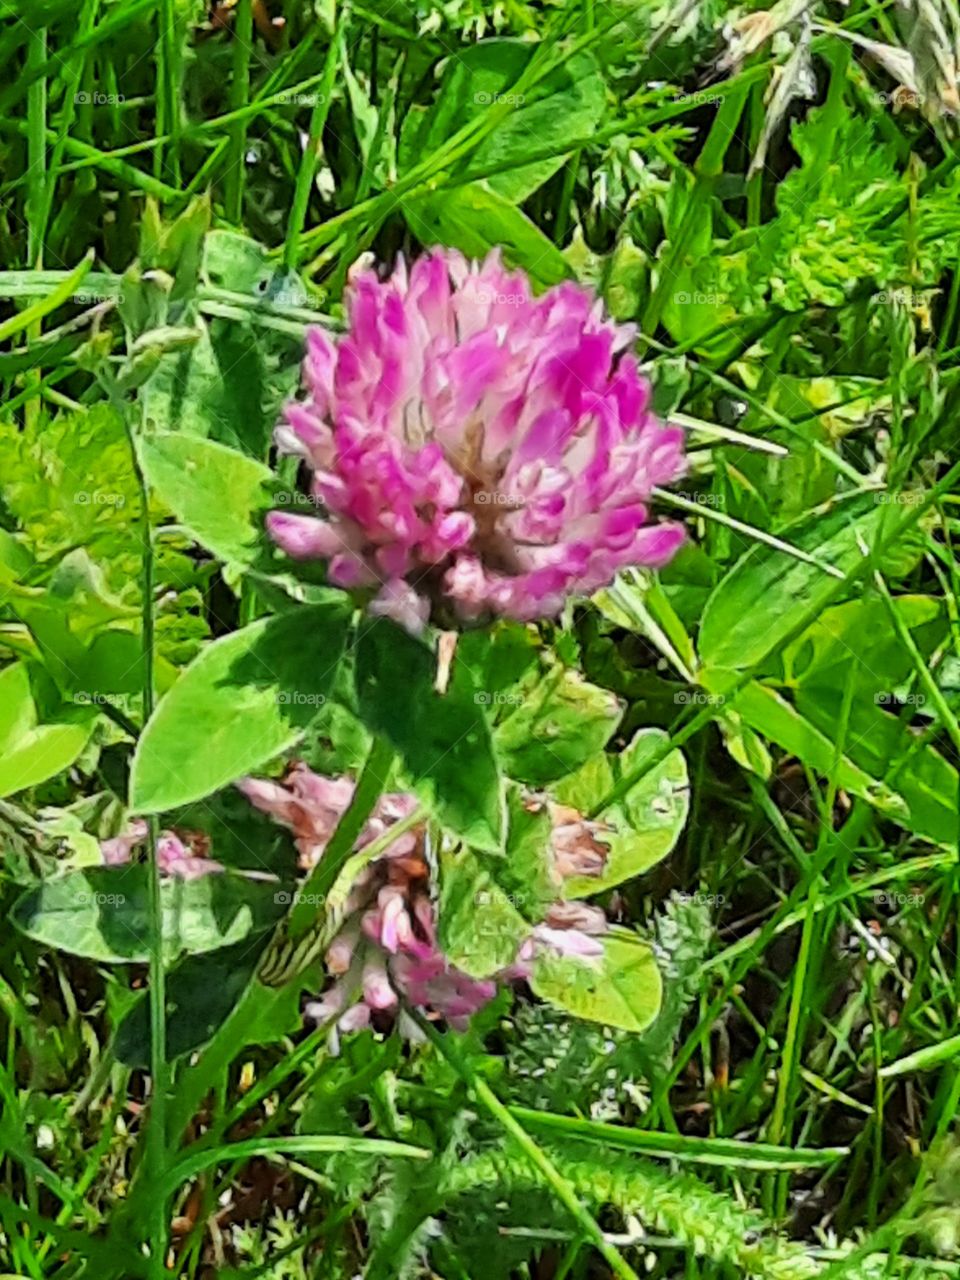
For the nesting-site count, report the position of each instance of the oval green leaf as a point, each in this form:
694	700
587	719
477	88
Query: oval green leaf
443	740
42	754
622	988
645	825
473	218
481	924
103	913
551	725
247	698
32	753
532	141
763	598
216	493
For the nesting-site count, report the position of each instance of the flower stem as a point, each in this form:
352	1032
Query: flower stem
256	1005
370	787
239	95
156	1130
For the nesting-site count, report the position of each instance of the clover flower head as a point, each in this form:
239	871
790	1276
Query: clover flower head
387	947
179	853
386	951
476	451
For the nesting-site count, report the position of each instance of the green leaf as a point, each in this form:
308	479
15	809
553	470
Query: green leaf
247	698
32	753
236	262
645	825
42	754
481	924
70	483
564	108
920	791
82	631
301	1145
213	388
443	740
200	992
489	903
473	218
906	780
176	247
680	1146
744	745
925	1059
489	660
17	712
552	724
63	292
528	872
216	493
15	559
761	599
855	640
104	913
622	988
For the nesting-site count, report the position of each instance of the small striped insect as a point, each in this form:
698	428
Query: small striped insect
286	957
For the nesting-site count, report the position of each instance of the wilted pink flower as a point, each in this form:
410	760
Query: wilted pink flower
476	448
180	854
570	929
311	806
574	844
387	946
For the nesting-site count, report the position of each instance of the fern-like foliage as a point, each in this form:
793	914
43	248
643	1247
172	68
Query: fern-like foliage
559	1063
709	1224
484	1192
